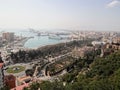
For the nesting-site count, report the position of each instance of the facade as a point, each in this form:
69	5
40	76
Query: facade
1	75
1	42
116	40
8	36
109	48
81	52
116	43
10	81
98	44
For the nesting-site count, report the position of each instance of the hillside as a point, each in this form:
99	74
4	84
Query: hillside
101	74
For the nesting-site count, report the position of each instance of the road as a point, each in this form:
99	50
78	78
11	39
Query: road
53	60
44	75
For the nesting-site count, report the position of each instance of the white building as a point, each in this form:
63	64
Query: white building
98	43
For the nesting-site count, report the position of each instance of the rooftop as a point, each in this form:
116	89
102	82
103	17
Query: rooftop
21	87
10	77
24	78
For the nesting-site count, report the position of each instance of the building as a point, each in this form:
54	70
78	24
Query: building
109	48
8	36
1	61
10	81
1	72
116	40
21	87
81	52
24	79
1	75
98	43
1	42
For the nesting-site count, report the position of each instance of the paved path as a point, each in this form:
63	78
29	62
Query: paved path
47	77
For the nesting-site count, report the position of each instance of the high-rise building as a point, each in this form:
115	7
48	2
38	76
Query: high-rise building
9	36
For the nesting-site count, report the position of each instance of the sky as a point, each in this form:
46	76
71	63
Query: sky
61	14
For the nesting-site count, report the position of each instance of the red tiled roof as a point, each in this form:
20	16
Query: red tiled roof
21	87
1	65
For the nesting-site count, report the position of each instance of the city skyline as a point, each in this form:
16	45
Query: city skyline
61	14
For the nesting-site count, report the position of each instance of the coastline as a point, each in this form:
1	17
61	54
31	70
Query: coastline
25	40
49	45
42	46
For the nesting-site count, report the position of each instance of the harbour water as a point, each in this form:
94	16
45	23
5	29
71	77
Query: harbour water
40	41
36	41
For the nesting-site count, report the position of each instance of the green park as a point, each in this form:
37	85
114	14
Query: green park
15	69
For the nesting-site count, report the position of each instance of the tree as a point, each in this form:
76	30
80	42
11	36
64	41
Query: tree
34	86
5	88
29	72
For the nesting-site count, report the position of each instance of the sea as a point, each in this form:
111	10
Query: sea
36	41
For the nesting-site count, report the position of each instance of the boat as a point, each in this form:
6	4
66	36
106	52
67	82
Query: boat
42	34
56	37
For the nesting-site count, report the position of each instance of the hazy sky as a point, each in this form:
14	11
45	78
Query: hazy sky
60	14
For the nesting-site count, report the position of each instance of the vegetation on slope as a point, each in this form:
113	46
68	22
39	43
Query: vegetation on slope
50	50
103	74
